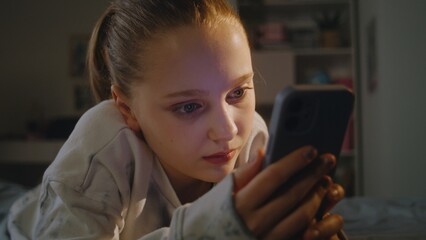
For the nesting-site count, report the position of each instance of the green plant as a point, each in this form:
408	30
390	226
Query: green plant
328	20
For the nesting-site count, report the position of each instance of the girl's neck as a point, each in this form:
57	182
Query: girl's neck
190	192
187	189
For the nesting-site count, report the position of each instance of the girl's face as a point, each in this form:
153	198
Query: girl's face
196	104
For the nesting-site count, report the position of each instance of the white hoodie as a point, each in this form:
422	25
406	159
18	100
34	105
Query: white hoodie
105	183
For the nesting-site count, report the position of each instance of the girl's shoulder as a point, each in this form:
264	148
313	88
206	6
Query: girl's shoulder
101	138
98	126
102	120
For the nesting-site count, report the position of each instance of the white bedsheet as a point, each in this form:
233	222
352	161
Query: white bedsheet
380	219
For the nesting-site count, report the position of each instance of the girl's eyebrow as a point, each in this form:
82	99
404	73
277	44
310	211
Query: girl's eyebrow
243	78
199	92
187	93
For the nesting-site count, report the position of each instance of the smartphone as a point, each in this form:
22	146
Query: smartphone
316	115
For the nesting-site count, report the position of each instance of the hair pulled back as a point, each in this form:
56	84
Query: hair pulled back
122	33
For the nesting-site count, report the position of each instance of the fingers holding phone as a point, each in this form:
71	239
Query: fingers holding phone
328	228
282	199
269	180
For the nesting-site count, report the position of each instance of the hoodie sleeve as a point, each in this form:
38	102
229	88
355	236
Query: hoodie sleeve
213	216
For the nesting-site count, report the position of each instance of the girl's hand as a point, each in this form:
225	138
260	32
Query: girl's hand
281	201
326	228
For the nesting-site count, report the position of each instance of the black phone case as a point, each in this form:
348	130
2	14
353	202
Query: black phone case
316	115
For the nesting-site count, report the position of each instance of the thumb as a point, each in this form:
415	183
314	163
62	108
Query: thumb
244	174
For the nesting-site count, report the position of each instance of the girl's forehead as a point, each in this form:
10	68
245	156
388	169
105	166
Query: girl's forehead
188	57
192	36
189	47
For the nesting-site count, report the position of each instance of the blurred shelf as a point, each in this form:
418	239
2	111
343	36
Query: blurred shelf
323	51
25	152
289	3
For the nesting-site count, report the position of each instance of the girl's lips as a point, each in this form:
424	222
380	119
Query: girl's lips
220	158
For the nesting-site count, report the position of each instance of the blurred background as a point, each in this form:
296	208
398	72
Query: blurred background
375	47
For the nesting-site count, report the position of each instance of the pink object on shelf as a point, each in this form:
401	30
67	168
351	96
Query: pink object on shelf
348	140
271	33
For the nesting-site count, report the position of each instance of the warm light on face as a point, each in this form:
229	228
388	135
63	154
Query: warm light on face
196	105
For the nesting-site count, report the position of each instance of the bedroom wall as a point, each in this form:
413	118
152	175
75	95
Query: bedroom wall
394	114
35	81
34	58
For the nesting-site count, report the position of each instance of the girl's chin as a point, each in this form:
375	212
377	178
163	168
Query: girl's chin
216	176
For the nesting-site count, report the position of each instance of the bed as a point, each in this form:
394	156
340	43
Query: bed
379	219
9	192
365	218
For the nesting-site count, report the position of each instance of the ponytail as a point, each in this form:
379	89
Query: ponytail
123	33
97	58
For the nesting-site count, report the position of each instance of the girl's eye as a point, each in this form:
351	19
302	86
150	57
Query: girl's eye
238	93
188	108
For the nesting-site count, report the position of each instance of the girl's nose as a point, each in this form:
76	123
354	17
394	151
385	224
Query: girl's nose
222	127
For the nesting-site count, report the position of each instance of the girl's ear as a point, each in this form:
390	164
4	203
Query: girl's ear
122	102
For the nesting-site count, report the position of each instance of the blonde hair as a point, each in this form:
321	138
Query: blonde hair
124	30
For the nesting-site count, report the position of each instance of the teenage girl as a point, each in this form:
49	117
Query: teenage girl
173	149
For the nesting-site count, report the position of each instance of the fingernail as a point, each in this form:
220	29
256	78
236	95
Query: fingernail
314	234
260	155
330	161
334	193
310	154
260	152
325	183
